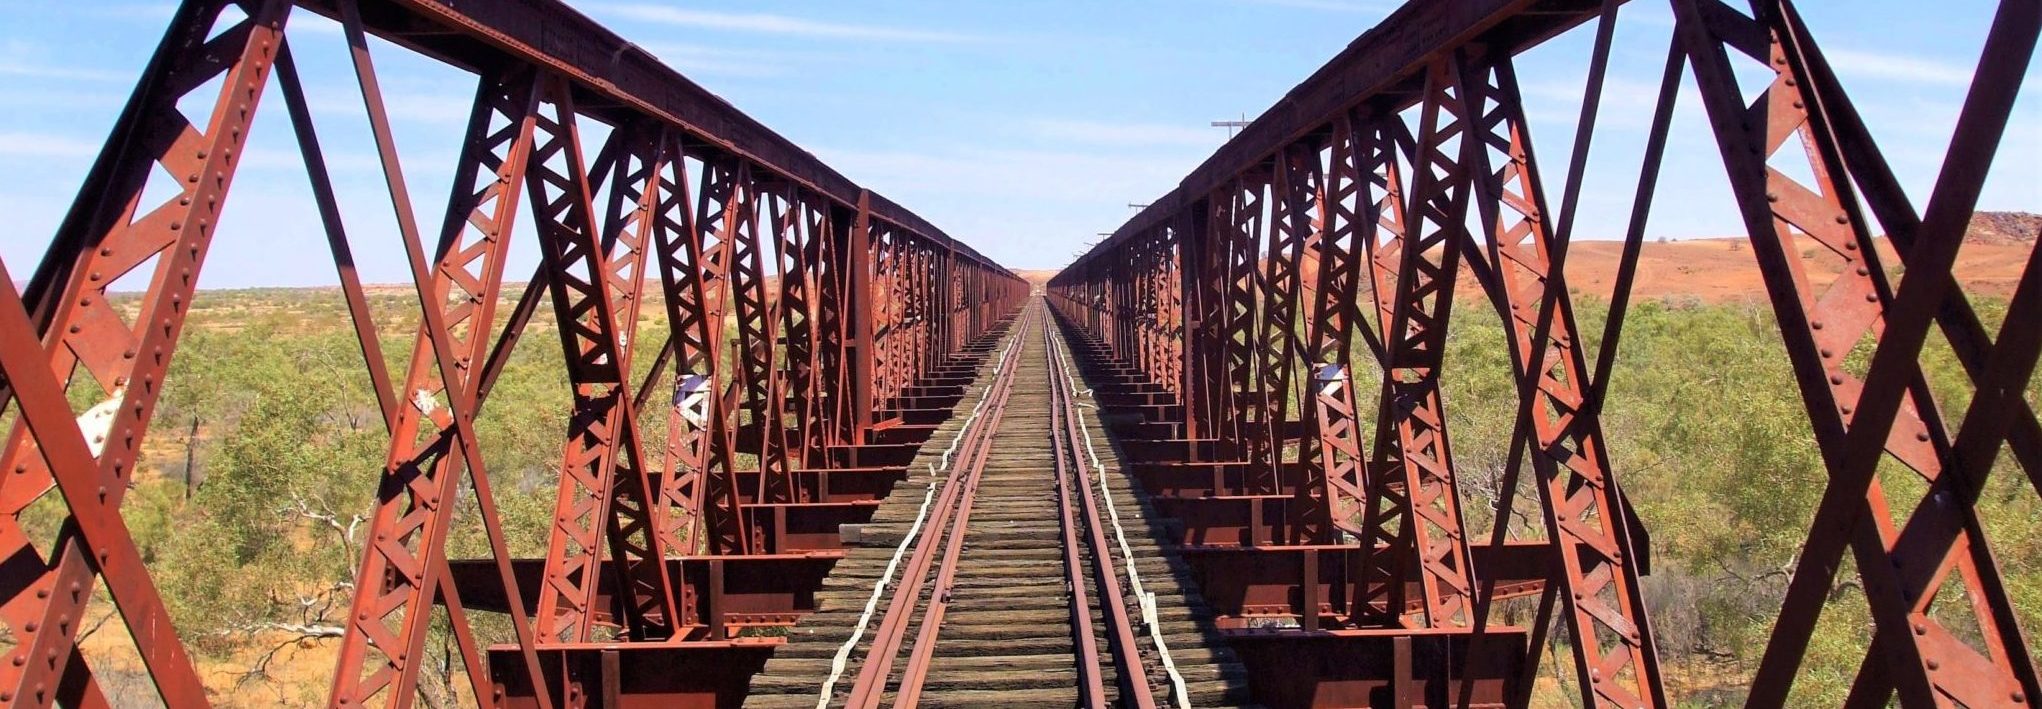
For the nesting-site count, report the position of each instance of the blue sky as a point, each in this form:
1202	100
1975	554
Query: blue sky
1022	127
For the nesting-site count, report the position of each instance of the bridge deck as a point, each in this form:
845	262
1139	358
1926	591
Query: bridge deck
1006	636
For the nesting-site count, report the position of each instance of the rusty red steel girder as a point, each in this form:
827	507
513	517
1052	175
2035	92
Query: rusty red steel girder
1406	164
1402	163
683	185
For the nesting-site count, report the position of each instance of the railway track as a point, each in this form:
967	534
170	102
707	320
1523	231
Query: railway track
1019	577
1002	600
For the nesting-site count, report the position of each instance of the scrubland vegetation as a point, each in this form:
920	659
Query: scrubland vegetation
263	459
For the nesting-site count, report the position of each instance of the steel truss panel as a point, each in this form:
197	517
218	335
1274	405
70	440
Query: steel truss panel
680	186
1804	116
1331	193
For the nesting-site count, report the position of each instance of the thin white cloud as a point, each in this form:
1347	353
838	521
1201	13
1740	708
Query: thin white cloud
1066	194
1080	180
409	106
152	12
44	145
1896	67
289	159
1127	134
1349	6
306	23
1646	14
21	97
27	58
65	73
764	23
695	59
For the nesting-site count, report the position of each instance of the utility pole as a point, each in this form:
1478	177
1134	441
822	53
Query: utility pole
1232	126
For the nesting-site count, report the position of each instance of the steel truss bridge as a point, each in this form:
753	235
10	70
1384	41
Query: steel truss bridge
1229	349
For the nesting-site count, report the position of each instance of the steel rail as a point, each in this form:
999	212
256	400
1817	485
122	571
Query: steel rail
951	514
1085	641
1143	596
966	431
916	673
1135	688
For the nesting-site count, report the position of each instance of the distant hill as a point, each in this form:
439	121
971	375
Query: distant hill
1037	276
2004	228
1723	270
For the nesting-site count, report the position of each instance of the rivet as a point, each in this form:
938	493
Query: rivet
1934	665
1922	436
